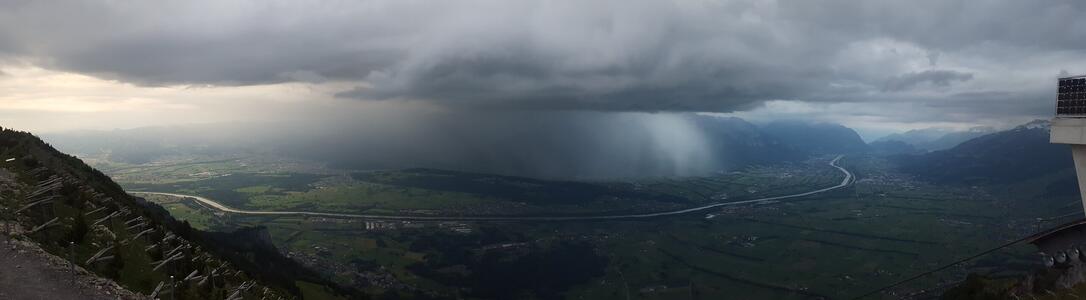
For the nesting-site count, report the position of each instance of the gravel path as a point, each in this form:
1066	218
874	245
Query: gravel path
28	272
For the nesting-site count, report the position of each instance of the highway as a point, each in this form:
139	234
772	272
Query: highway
844	182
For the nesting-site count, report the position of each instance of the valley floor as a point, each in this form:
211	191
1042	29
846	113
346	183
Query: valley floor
884	227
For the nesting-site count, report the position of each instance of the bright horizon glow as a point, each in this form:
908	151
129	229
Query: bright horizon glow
40	100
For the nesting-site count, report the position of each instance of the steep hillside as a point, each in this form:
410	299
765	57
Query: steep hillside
32	273
72	210
1013	155
817	138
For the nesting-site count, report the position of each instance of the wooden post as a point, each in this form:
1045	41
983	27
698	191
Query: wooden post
71	260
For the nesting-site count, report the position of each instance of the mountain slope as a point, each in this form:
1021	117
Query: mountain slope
740	143
1013	155
817	138
67	207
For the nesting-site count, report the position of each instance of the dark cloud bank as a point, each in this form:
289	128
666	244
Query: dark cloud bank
606	55
563	88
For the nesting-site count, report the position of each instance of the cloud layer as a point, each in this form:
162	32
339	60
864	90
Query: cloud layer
637	55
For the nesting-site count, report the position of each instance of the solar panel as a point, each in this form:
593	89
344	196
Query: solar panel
1071	97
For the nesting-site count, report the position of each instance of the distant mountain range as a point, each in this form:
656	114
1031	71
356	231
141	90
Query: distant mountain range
743	143
729	142
1021	153
996	157
817	138
976	155
934	139
893	147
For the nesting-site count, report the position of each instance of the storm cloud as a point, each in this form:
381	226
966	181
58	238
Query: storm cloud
582	145
936	78
714	56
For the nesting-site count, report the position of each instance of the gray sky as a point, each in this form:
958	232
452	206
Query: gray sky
878	66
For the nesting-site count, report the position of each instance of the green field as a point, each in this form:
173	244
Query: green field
436	192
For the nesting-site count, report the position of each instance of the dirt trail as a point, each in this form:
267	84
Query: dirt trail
28	272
